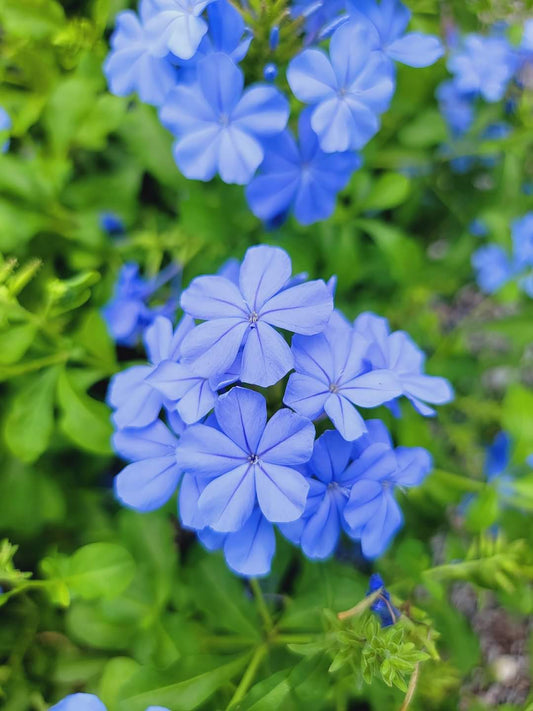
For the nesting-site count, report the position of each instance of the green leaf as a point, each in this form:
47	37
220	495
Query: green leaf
403	254
30	419
84	420
517	419
483	511
94	337
100	570
389	190
186	685
117	672
15	342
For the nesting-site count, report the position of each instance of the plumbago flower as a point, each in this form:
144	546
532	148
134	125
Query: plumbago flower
89	702
5	125
183	56
241	474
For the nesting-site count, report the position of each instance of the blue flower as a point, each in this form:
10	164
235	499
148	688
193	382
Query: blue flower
478	228
319	529
384	609
245	315
386	24
456	107
153	475
302	177
397	353
135	401
111	223
498	456
248	461
5	125
372	512
348	90
88	702
219	128
332	376
133	65
177	26
316	14
127	314
522	235
483	65
493	267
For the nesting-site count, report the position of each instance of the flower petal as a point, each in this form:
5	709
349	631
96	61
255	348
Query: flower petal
148	484
344	416
311	76
288	439
249	551
196	153
206	451
266	356
372	389
303	309
264	271
135	444
306	395
227	501
241	414
281	492
262	111
416	49
213	346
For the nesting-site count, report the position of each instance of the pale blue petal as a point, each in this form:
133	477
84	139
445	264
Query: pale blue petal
264	271
241	415
311	76
190	516
429	388
239	155
79	702
262	111
227	501
266	356
330	458
186	109
414	464
349	50
288	439
249	552
322	531
416	49
365	501
281	492
339	128
221	82
148	484
205	451
303	309
197	153
380	529
372	389
213	346
134	444
313	356
306	395
210	297
345	417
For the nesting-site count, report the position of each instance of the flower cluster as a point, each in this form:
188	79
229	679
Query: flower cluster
495	267
185	56
483	68
245	463
88	702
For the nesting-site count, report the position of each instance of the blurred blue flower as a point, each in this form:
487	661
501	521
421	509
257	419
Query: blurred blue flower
248	461
483	65
88	702
177	26
128	314
219	128
372	512
5	125
478	228
111	223
316	15
522	235
270	72
153	475
386	23
299	177
493	267
245	315
136	403
456	107
384	609
133	64
397	353
332	376
498	456
348	90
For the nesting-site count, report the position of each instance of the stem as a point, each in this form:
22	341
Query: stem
261	604
294	638
411	688
248	676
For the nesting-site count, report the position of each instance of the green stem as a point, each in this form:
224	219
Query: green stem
293	638
248	676
261	604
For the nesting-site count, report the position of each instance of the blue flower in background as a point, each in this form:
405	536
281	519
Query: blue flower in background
382	607
456	107
493	267
332	376
248	461
245	315
133	65
397	353
177	26
319	529
111	223
483	65
498	456
302	178
372	512
386	23
316	14
348	90
88	702
127	314
219	128
478	228
135	401
522	235
153	475
5	125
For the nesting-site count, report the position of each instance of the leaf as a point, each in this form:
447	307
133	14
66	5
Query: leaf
483	511
30	419
517	419
403	254
389	190
94	337
84	420
15	341
100	570
184	686
117	672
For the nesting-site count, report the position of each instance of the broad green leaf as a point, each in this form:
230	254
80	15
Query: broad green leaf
84	420
517	419
94	337
118	671
186	685
403	253
388	191
87	623
15	341
30	416
483	511
100	570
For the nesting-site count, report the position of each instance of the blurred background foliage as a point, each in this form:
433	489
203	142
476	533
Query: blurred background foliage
128	605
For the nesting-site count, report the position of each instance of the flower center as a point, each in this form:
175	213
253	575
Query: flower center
223	119
253	458
253	318
333	388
